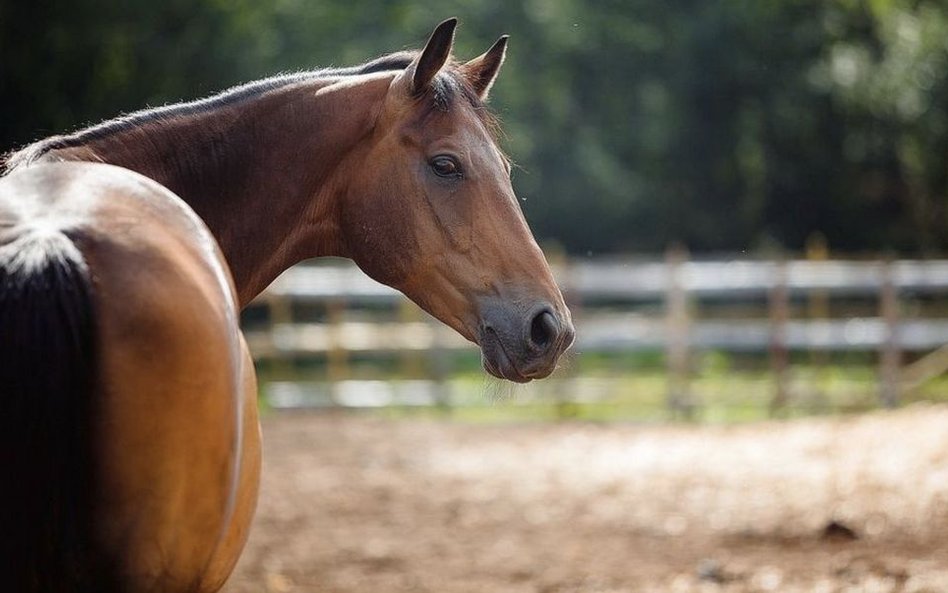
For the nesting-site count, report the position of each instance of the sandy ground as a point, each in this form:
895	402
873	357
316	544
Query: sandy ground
353	503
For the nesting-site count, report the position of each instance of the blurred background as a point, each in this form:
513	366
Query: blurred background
746	203
677	161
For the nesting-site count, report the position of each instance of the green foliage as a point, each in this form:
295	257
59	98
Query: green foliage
724	124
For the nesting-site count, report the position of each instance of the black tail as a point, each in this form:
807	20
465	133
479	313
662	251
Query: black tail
48	369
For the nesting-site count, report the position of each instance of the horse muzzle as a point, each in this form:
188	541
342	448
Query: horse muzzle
520	345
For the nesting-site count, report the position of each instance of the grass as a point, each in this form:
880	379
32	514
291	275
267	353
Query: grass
722	388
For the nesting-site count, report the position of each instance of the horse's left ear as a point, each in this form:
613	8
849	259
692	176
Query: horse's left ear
482	70
433	57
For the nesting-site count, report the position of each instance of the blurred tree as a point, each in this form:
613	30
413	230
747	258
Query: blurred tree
724	124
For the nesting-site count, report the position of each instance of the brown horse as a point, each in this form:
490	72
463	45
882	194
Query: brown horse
130	444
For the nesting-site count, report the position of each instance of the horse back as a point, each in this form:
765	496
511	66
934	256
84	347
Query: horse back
157	422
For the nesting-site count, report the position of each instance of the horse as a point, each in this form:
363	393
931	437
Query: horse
130	440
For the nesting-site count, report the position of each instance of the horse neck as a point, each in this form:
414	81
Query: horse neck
264	174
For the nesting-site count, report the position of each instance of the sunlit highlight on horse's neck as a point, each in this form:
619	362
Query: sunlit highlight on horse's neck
262	173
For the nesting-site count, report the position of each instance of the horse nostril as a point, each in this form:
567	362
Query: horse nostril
543	330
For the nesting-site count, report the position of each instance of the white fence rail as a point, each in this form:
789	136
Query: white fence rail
628	305
643	280
743	278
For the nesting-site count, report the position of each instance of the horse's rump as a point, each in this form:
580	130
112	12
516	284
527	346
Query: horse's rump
121	383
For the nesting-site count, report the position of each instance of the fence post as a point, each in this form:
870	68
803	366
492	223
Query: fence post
280	315
889	357
440	367
677	327
337	358
818	300
411	363
779	305
818	310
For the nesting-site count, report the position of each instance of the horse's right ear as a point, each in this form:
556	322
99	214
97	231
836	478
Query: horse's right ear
431	59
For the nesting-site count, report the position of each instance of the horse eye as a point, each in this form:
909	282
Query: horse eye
445	166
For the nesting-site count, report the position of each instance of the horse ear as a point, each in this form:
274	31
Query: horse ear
433	57
482	71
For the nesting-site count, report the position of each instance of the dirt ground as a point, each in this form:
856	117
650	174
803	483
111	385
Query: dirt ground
353	503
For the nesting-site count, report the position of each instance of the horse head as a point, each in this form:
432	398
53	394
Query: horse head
433	213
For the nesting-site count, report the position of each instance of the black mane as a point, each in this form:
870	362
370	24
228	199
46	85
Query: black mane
232	96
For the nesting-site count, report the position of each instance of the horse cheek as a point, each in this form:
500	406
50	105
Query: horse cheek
385	237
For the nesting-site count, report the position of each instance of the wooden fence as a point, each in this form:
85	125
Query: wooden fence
676	305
